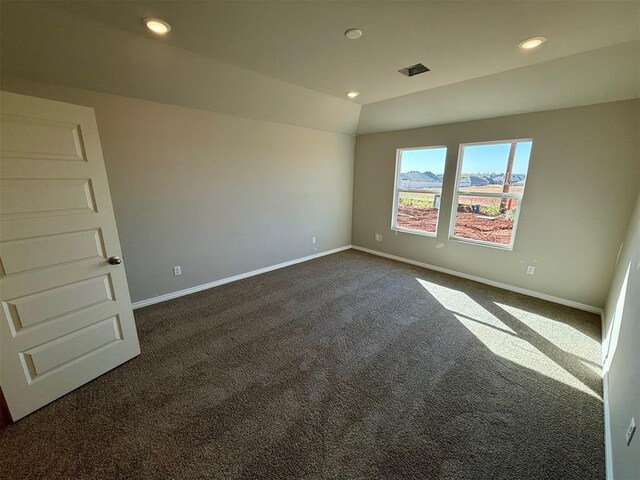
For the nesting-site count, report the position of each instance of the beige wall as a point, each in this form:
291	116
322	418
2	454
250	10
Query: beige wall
583	178
218	195
622	359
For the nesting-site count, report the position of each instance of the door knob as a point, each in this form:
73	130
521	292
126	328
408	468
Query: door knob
115	260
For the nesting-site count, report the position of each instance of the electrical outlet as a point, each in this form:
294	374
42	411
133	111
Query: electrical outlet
177	270
631	429
531	270
378	237
313	240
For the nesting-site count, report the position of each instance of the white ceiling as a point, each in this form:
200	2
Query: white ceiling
302	42
289	62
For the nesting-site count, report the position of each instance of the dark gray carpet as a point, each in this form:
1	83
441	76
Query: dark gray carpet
345	367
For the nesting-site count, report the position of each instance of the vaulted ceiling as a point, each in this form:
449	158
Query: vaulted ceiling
302	44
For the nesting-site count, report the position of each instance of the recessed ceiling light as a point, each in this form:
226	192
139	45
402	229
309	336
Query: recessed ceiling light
353	33
353	94
531	43
156	25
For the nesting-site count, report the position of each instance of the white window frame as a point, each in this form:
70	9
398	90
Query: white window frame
397	191
456	194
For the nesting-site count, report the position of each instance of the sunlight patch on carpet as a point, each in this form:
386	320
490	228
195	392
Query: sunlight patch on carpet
505	341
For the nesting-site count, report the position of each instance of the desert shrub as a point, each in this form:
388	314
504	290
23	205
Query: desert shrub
416	202
492	210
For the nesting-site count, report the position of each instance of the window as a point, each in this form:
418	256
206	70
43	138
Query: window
418	189
489	187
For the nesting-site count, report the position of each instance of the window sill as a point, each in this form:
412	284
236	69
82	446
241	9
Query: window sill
480	243
415	232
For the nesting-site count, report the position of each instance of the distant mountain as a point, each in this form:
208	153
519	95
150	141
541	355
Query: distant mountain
475	180
420	176
492	178
418	180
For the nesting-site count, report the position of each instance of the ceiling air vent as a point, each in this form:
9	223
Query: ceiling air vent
416	69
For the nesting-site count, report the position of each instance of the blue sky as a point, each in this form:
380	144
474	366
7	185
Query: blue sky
477	159
431	160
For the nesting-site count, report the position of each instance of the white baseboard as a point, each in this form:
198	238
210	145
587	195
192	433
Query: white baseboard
608	454
504	286
223	281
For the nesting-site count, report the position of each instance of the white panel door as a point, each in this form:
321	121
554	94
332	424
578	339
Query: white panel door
65	315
